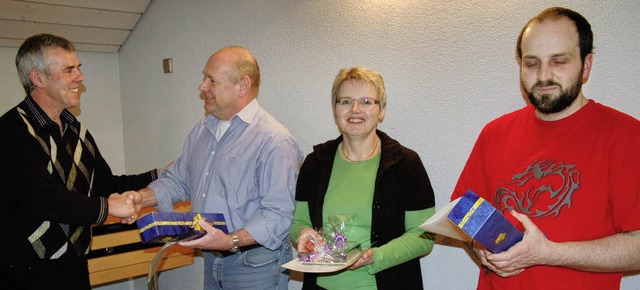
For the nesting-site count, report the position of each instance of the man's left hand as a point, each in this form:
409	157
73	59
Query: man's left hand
215	239
531	251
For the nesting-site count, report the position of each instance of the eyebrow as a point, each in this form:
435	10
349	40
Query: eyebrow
560	54
72	66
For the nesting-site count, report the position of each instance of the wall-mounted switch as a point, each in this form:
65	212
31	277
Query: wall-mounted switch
167	65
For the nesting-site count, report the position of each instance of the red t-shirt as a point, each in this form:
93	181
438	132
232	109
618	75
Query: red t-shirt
575	178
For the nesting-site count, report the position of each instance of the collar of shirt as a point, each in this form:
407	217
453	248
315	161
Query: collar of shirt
41	117
249	111
247	114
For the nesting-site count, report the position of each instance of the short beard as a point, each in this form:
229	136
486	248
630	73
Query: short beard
554	103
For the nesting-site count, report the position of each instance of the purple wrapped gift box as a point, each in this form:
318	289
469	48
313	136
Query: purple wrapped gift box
163	227
484	223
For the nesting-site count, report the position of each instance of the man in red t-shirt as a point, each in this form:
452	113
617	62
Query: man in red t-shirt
564	169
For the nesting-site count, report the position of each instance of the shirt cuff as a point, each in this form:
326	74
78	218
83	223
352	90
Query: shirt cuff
154	174
104	211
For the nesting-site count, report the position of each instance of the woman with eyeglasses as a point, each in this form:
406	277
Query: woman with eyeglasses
368	176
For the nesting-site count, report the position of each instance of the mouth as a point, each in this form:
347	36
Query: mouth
74	90
207	97
355	120
546	89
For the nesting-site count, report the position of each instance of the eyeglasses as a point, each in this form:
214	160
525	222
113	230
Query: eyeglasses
364	102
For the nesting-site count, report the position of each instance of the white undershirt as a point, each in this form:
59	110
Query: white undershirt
222	128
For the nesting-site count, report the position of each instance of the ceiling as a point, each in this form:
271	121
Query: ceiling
92	25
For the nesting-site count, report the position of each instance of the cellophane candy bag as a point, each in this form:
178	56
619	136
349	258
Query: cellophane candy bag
332	245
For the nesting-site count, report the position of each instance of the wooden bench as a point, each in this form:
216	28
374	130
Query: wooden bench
117	254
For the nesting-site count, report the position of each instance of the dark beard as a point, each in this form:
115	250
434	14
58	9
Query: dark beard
549	104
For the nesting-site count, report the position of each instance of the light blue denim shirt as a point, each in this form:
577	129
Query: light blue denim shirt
249	175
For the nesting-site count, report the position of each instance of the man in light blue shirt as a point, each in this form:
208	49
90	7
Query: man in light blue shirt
241	162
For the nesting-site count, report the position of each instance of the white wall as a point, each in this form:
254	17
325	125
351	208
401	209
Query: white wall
12	90
449	69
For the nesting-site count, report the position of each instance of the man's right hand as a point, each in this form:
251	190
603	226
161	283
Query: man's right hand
121	206
134	199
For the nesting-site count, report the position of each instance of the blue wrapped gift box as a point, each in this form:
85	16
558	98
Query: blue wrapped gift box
484	223
163	227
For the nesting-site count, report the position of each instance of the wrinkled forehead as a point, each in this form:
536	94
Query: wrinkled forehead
550	36
58	58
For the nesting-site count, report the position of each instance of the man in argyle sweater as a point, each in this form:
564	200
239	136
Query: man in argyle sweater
55	183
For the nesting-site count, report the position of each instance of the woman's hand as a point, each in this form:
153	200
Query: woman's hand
365	259
308	240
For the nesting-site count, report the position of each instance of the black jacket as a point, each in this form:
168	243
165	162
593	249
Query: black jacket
402	184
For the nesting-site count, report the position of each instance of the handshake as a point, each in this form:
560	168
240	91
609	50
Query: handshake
125	206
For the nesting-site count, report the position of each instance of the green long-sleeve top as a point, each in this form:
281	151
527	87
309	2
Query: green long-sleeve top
388	196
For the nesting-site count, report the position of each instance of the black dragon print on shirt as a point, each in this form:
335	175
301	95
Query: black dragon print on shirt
542	190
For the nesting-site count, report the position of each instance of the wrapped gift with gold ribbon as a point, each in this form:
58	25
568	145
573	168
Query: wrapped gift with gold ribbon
164	227
483	222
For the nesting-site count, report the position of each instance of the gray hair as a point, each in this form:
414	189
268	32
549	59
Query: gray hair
32	53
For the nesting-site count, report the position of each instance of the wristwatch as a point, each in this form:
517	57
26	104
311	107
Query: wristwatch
236	243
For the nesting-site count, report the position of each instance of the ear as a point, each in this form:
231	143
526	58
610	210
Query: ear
37	77
244	85
381	115
586	67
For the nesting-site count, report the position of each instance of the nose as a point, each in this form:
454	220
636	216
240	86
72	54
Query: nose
545	73
356	106
202	86
79	76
